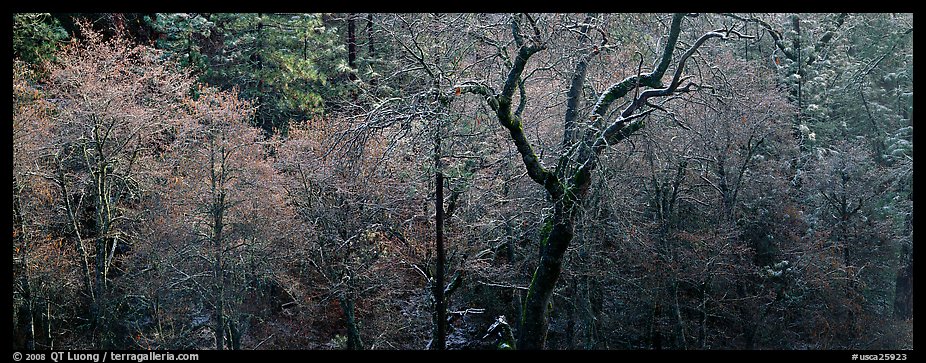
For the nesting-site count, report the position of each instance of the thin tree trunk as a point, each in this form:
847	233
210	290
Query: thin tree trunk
219	308
371	52
72	216
234	335
593	293
258	57
588	313
20	238
218	275
353	333
351	41
509	244
655	333
702	331
572	317
440	314
680	323
49	343
103	224
30	315
726	195
218	280
796	23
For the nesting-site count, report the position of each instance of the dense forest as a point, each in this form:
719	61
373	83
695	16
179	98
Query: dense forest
709	181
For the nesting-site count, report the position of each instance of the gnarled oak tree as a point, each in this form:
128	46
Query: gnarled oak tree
585	137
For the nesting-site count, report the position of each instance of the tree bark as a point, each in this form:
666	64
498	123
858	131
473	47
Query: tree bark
234	335
371	49
440	304
655	332
351	41
258	57
554	240
354	342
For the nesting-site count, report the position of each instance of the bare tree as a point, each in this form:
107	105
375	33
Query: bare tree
104	135
567	184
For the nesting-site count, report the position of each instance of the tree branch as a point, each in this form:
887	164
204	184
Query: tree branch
746	161
501	104
777	38
653	79
574	95
611	134
825	39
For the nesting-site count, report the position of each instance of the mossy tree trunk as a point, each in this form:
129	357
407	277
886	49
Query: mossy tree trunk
354	342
